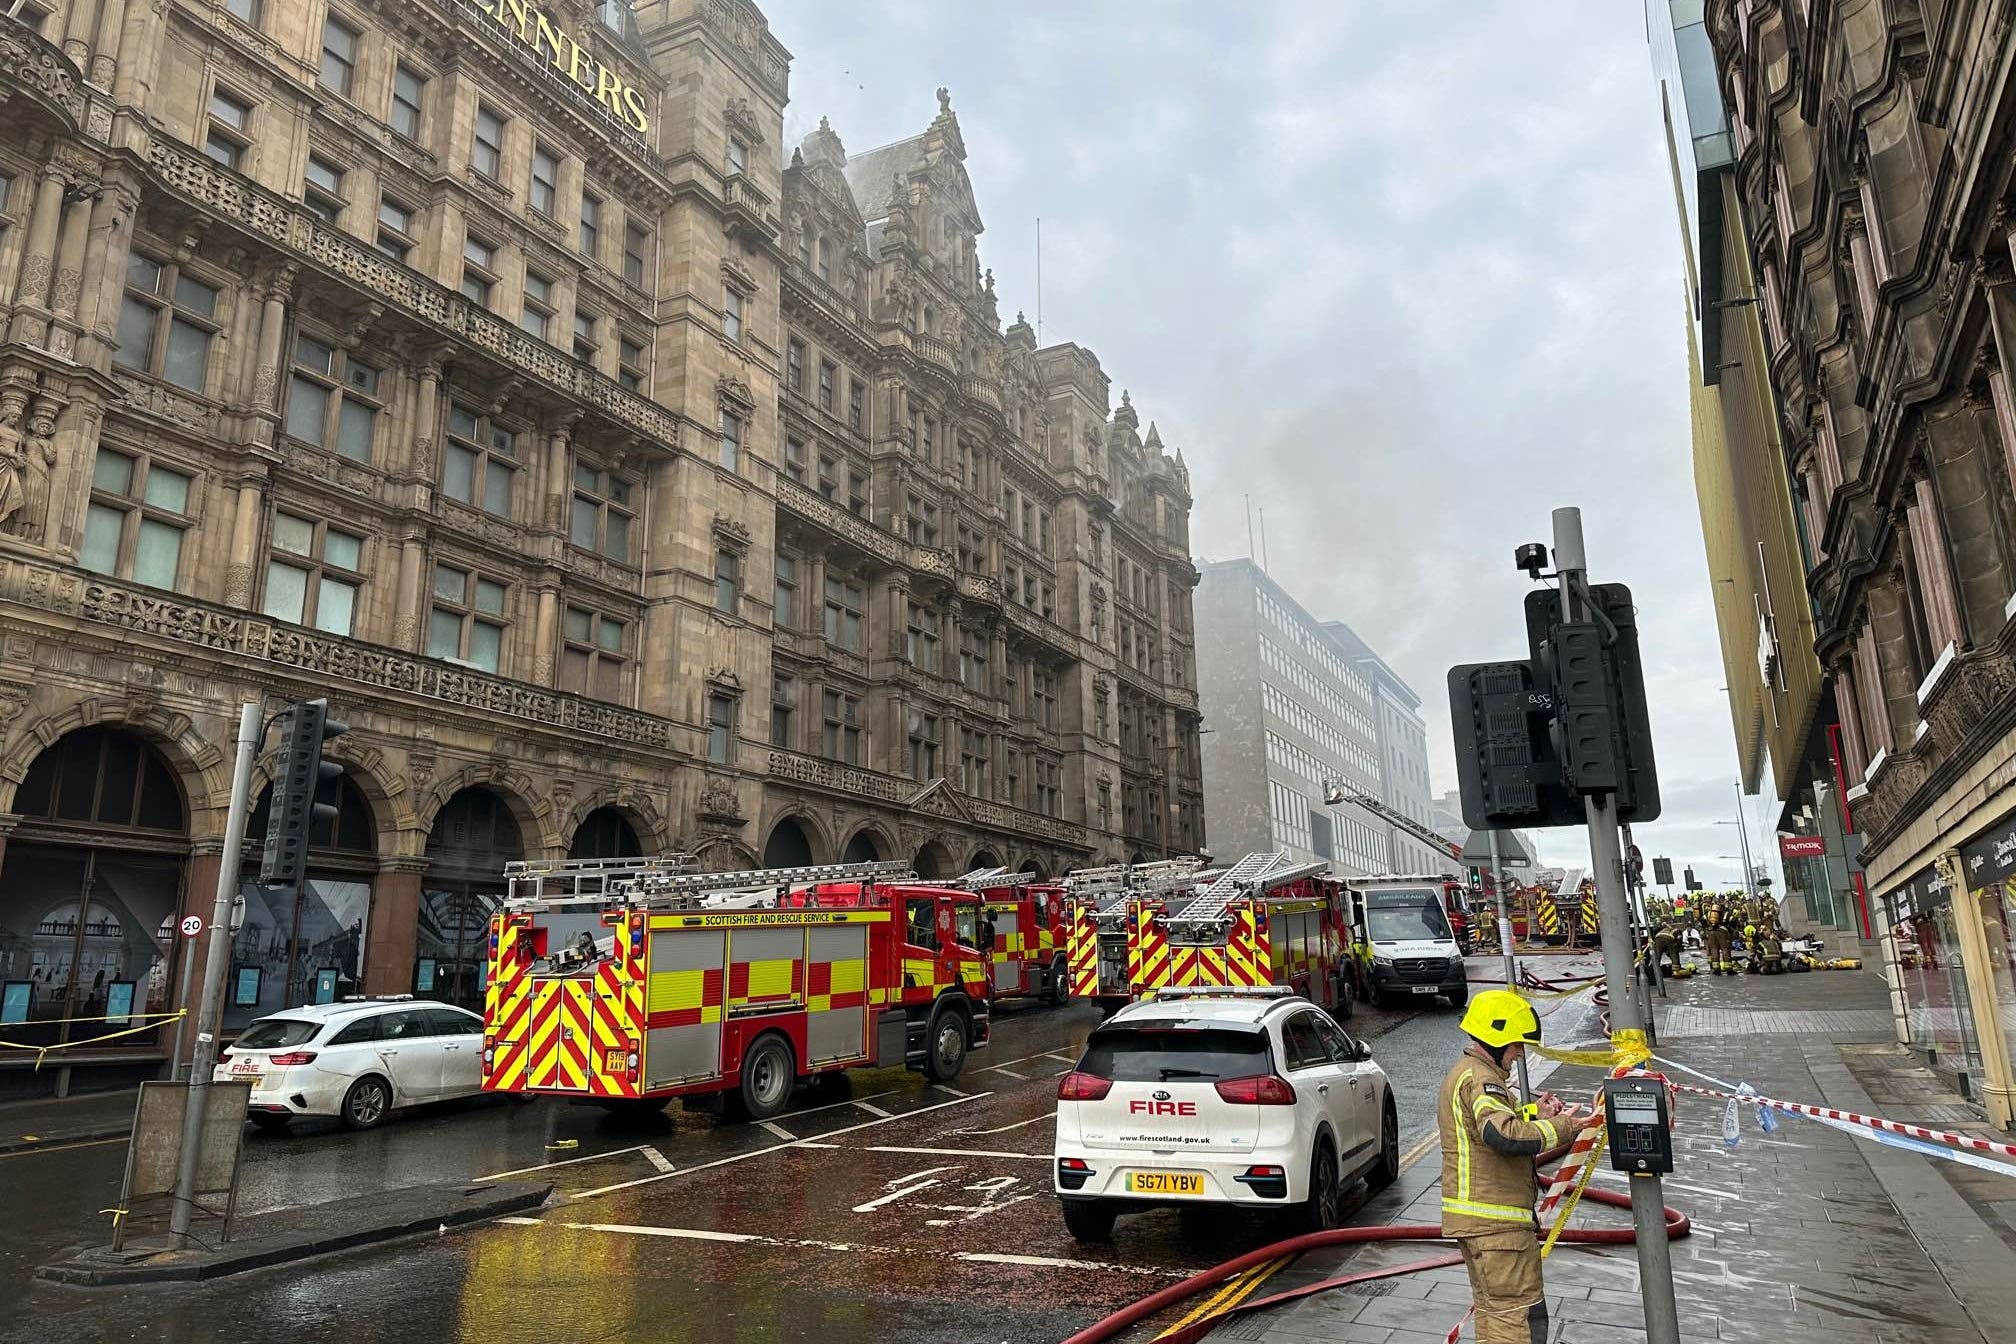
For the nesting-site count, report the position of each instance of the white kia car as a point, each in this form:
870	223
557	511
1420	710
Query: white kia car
1250	1098
355	1060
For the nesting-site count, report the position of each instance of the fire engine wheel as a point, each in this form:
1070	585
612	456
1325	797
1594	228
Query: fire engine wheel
1340	994
367	1102
1053	992
768	1071
945	1045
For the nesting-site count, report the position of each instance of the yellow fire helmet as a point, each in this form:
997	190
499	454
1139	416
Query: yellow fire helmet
1749	930
1501	1017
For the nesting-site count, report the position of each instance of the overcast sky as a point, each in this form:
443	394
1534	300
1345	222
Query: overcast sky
1408	274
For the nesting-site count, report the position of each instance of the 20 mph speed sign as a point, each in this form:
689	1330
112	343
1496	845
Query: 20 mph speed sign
191	925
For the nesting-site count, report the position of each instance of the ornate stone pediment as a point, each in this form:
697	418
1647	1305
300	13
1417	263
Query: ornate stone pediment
939	799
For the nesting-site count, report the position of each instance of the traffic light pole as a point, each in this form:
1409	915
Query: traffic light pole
1627	1006
211	998
1505	946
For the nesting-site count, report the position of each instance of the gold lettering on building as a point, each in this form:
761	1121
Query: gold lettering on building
570	59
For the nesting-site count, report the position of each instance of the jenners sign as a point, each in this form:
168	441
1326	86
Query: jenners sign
570	60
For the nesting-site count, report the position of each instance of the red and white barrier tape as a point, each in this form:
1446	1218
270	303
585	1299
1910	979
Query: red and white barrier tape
1967	1141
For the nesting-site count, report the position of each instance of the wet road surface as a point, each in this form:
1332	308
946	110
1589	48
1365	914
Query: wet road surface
882	1208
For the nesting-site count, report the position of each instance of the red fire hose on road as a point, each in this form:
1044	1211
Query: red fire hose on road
1677	1226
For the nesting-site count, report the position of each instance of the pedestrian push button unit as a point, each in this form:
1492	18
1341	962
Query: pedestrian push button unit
1640	1125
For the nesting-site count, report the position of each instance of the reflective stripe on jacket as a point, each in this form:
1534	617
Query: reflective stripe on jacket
1488	1148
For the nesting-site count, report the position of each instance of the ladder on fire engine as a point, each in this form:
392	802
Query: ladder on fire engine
980	879
1255	873
661	887
1398	820
1114	885
583	879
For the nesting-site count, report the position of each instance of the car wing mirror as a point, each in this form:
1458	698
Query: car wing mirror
1361	1051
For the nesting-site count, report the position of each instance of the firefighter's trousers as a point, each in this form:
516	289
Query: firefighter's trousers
1504	1270
1716	941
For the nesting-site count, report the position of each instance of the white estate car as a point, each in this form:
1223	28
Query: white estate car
355	1060
1256	1099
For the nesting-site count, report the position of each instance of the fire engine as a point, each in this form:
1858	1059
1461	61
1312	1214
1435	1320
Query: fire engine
1027	919
1263	921
629	982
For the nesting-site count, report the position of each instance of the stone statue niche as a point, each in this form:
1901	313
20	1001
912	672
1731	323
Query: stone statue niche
27	460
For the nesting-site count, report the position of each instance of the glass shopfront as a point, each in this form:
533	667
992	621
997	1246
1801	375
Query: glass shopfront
1934	972
473	838
1989	862
305	947
89	891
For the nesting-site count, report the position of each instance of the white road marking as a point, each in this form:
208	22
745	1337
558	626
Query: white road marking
658	1159
814	1143
953	1090
872	1110
763	1152
564	1162
960	1152
1058	1054
855	1248
895	1195
1003	1129
778	1130
1010	1072
517	1220
862	1102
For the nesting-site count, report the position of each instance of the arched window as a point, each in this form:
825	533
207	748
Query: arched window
605	833
104	777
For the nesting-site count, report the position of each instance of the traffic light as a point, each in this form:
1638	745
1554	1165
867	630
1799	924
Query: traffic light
1602	731
1507	769
304	787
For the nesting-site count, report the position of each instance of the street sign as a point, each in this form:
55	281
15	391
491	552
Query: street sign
1662	871
191	925
1802	846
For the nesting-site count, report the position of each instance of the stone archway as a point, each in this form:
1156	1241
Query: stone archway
789	845
605	833
865	847
90	884
933	860
1033	867
983	858
473	836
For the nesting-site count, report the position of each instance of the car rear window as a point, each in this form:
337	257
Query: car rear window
275	1033
1159	1054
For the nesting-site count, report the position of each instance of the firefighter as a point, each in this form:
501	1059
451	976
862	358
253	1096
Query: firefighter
1666	944
1487	926
1489	1181
1769	949
1715	938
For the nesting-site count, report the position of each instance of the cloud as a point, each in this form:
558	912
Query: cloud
1408	275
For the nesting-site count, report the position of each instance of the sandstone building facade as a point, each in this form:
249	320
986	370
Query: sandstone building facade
479	366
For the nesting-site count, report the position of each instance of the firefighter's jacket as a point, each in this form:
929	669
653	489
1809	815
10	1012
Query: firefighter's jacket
1488	1178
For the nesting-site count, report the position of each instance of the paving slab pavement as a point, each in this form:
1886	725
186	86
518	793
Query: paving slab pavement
44	1122
1804	1236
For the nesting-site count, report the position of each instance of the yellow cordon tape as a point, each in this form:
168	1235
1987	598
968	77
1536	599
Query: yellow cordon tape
1628	1049
42	1051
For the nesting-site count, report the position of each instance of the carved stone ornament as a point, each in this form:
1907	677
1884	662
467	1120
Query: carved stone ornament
733	531
734	395
718	805
724	679
13	462
736	277
741	119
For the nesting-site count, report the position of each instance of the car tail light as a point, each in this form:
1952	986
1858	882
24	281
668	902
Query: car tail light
1266	1173
291	1058
1083	1087
1261	1089
1072	1164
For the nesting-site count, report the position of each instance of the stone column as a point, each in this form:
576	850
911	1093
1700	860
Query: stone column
408	599
69	31
8	821
67	287
104	272
391	937
38	258
553	513
244	541
267	355
1998	1086
426	422
105	51
546	633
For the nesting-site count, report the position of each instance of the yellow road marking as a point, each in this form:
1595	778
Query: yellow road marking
64	1147
1235	1290
1419	1150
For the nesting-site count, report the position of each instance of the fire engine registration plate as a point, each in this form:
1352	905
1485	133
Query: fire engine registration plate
1165	1182
612	1061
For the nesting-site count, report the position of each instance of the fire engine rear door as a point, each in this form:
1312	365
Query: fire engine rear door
684	998
1010	973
